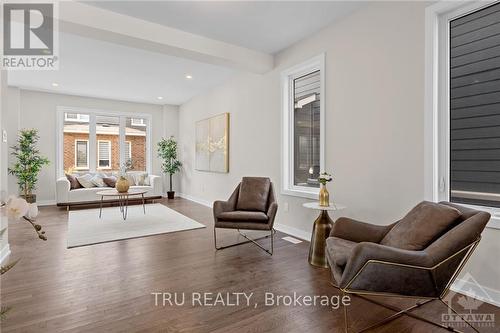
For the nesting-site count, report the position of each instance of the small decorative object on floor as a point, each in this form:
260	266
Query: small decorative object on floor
324	196
167	151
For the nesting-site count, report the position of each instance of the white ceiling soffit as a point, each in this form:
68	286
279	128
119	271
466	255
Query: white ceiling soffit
96	23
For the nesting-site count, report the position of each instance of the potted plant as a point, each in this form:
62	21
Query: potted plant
28	163
167	151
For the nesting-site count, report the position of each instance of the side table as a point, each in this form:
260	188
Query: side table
321	230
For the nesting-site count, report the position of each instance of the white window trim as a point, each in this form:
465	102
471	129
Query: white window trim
99	155
436	116
76	154
287	152
92	153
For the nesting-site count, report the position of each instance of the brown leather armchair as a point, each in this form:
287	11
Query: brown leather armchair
252	206
419	256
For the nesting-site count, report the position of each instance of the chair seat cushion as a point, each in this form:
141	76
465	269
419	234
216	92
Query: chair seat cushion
243	216
254	193
424	223
339	250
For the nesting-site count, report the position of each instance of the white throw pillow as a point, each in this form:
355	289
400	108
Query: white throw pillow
141	178
97	180
86	180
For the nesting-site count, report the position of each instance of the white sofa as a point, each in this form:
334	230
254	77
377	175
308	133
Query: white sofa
67	197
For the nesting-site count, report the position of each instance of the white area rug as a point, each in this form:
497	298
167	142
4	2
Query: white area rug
86	228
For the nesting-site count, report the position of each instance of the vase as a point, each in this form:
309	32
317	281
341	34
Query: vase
122	185
324	196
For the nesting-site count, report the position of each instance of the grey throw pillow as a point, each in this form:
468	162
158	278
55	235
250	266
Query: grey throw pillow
424	223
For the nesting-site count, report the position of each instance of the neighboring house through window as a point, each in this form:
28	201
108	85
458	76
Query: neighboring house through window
104	154
81	154
303	124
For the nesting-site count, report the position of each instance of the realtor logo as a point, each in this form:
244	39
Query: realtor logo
29	36
475	296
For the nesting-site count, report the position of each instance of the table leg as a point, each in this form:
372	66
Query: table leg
100	209
125	208
321	230
143	204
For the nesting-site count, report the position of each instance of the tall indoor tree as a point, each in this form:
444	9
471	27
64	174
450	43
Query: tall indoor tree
167	151
28	163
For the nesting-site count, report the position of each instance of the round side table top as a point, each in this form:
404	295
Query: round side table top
114	192
315	205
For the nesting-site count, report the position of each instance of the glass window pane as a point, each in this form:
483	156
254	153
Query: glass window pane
135	143
75	142
108	143
307	130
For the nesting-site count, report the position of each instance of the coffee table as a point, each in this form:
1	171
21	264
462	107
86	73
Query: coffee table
122	199
321	231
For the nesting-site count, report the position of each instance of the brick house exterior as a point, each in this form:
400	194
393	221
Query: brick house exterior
137	143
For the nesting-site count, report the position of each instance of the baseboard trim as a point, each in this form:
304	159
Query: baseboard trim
4	253
196	199
295	232
475	290
46	203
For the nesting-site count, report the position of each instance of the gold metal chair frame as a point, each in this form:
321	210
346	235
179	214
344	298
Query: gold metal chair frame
469	249
249	240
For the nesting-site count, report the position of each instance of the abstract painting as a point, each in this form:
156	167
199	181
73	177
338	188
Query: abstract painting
212	144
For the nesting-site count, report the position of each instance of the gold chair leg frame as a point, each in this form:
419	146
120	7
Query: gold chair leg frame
399	312
249	240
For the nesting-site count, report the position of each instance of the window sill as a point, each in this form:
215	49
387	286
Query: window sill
309	194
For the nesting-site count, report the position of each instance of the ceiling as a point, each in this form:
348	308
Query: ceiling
104	69
89	67
267	26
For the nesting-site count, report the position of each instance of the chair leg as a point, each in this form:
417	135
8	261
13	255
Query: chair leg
249	240
346	321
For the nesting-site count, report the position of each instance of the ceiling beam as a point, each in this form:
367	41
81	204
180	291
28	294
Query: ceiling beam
96	23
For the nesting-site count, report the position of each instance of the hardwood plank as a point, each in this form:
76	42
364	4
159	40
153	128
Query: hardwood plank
107	287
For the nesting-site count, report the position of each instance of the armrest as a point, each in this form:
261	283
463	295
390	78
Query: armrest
271	213
63	187
226	206
156	183
357	231
369	253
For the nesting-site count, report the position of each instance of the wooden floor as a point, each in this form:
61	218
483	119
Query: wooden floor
107	287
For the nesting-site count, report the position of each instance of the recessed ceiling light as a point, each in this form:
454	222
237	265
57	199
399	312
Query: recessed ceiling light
189	76
159	97
54	84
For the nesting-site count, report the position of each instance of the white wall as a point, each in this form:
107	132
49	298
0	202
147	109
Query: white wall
4	241
32	109
374	117
374	121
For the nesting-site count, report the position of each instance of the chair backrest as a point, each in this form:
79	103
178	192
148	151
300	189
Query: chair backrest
254	194
451	248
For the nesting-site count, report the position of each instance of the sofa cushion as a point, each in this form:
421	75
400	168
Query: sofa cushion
140	178
110	181
244	216
73	182
339	250
86	180
424	223
254	193
97	180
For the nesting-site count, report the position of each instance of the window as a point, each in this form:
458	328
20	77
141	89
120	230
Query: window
104	154
303	127
81	154
128	151
462	116
475	108
76	117
93	140
137	122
